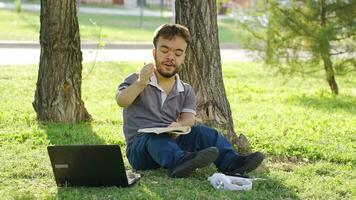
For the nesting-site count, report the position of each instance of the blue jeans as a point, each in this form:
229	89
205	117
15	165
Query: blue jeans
150	151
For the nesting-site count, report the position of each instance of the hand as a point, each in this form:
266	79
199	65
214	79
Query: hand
145	73
174	124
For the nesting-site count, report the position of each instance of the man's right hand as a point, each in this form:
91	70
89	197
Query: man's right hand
126	96
145	73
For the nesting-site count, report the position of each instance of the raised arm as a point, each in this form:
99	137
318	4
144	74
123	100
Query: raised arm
126	96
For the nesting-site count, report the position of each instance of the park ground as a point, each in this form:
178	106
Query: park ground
308	134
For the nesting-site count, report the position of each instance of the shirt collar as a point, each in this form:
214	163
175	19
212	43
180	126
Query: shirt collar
180	86
154	82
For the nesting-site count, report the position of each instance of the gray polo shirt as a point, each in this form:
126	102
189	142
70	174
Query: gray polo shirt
153	107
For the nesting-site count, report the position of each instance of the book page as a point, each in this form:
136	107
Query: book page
159	130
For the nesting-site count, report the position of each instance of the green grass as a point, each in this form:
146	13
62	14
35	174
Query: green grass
296	118
308	134
26	25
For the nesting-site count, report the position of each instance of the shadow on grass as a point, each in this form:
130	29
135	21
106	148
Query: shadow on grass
76	133
328	103
156	184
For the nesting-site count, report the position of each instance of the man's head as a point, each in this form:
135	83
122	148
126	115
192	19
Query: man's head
170	42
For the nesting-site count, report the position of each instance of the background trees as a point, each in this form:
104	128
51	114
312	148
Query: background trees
58	91
306	37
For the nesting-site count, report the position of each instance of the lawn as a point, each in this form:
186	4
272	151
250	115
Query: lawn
25	26
308	135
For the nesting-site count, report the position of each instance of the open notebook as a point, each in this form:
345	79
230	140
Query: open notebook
159	130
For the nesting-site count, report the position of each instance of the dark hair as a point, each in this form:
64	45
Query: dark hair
168	31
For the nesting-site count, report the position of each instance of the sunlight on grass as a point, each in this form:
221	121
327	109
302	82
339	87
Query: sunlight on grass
25	26
308	134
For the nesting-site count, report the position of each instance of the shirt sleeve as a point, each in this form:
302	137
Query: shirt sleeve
189	101
131	78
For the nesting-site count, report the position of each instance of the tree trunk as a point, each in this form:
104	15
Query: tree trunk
329	70
325	52
58	91
202	67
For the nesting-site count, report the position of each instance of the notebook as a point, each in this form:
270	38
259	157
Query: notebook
90	165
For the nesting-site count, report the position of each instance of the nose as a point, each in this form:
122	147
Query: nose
171	55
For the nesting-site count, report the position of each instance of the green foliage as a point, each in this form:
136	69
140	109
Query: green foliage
308	135
221	6
18	7
305	37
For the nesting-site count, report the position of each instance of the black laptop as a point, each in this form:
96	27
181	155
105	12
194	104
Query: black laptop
90	165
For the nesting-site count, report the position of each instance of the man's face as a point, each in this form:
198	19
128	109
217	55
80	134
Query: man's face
169	55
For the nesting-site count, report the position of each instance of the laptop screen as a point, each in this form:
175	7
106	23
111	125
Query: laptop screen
88	165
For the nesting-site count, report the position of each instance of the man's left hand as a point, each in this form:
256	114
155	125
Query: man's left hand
174	124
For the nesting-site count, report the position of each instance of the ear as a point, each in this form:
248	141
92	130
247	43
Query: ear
154	51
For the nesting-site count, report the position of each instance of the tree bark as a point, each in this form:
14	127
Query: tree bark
58	91
202	67
325	52
329	70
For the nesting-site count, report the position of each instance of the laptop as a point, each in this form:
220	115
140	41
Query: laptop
90	165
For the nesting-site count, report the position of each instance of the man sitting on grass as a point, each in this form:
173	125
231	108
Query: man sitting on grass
156	97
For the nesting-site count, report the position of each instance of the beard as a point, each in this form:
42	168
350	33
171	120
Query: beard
167	74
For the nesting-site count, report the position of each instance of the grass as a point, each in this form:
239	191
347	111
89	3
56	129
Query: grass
308	134
25	26
299	118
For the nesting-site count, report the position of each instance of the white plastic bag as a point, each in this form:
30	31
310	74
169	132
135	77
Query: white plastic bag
222	181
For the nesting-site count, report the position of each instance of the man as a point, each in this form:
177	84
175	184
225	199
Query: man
156	97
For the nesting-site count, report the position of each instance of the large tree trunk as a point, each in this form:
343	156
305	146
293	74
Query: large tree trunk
202	67
58	91
325	52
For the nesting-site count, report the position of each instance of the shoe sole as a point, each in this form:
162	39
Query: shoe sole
203	159
253	163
